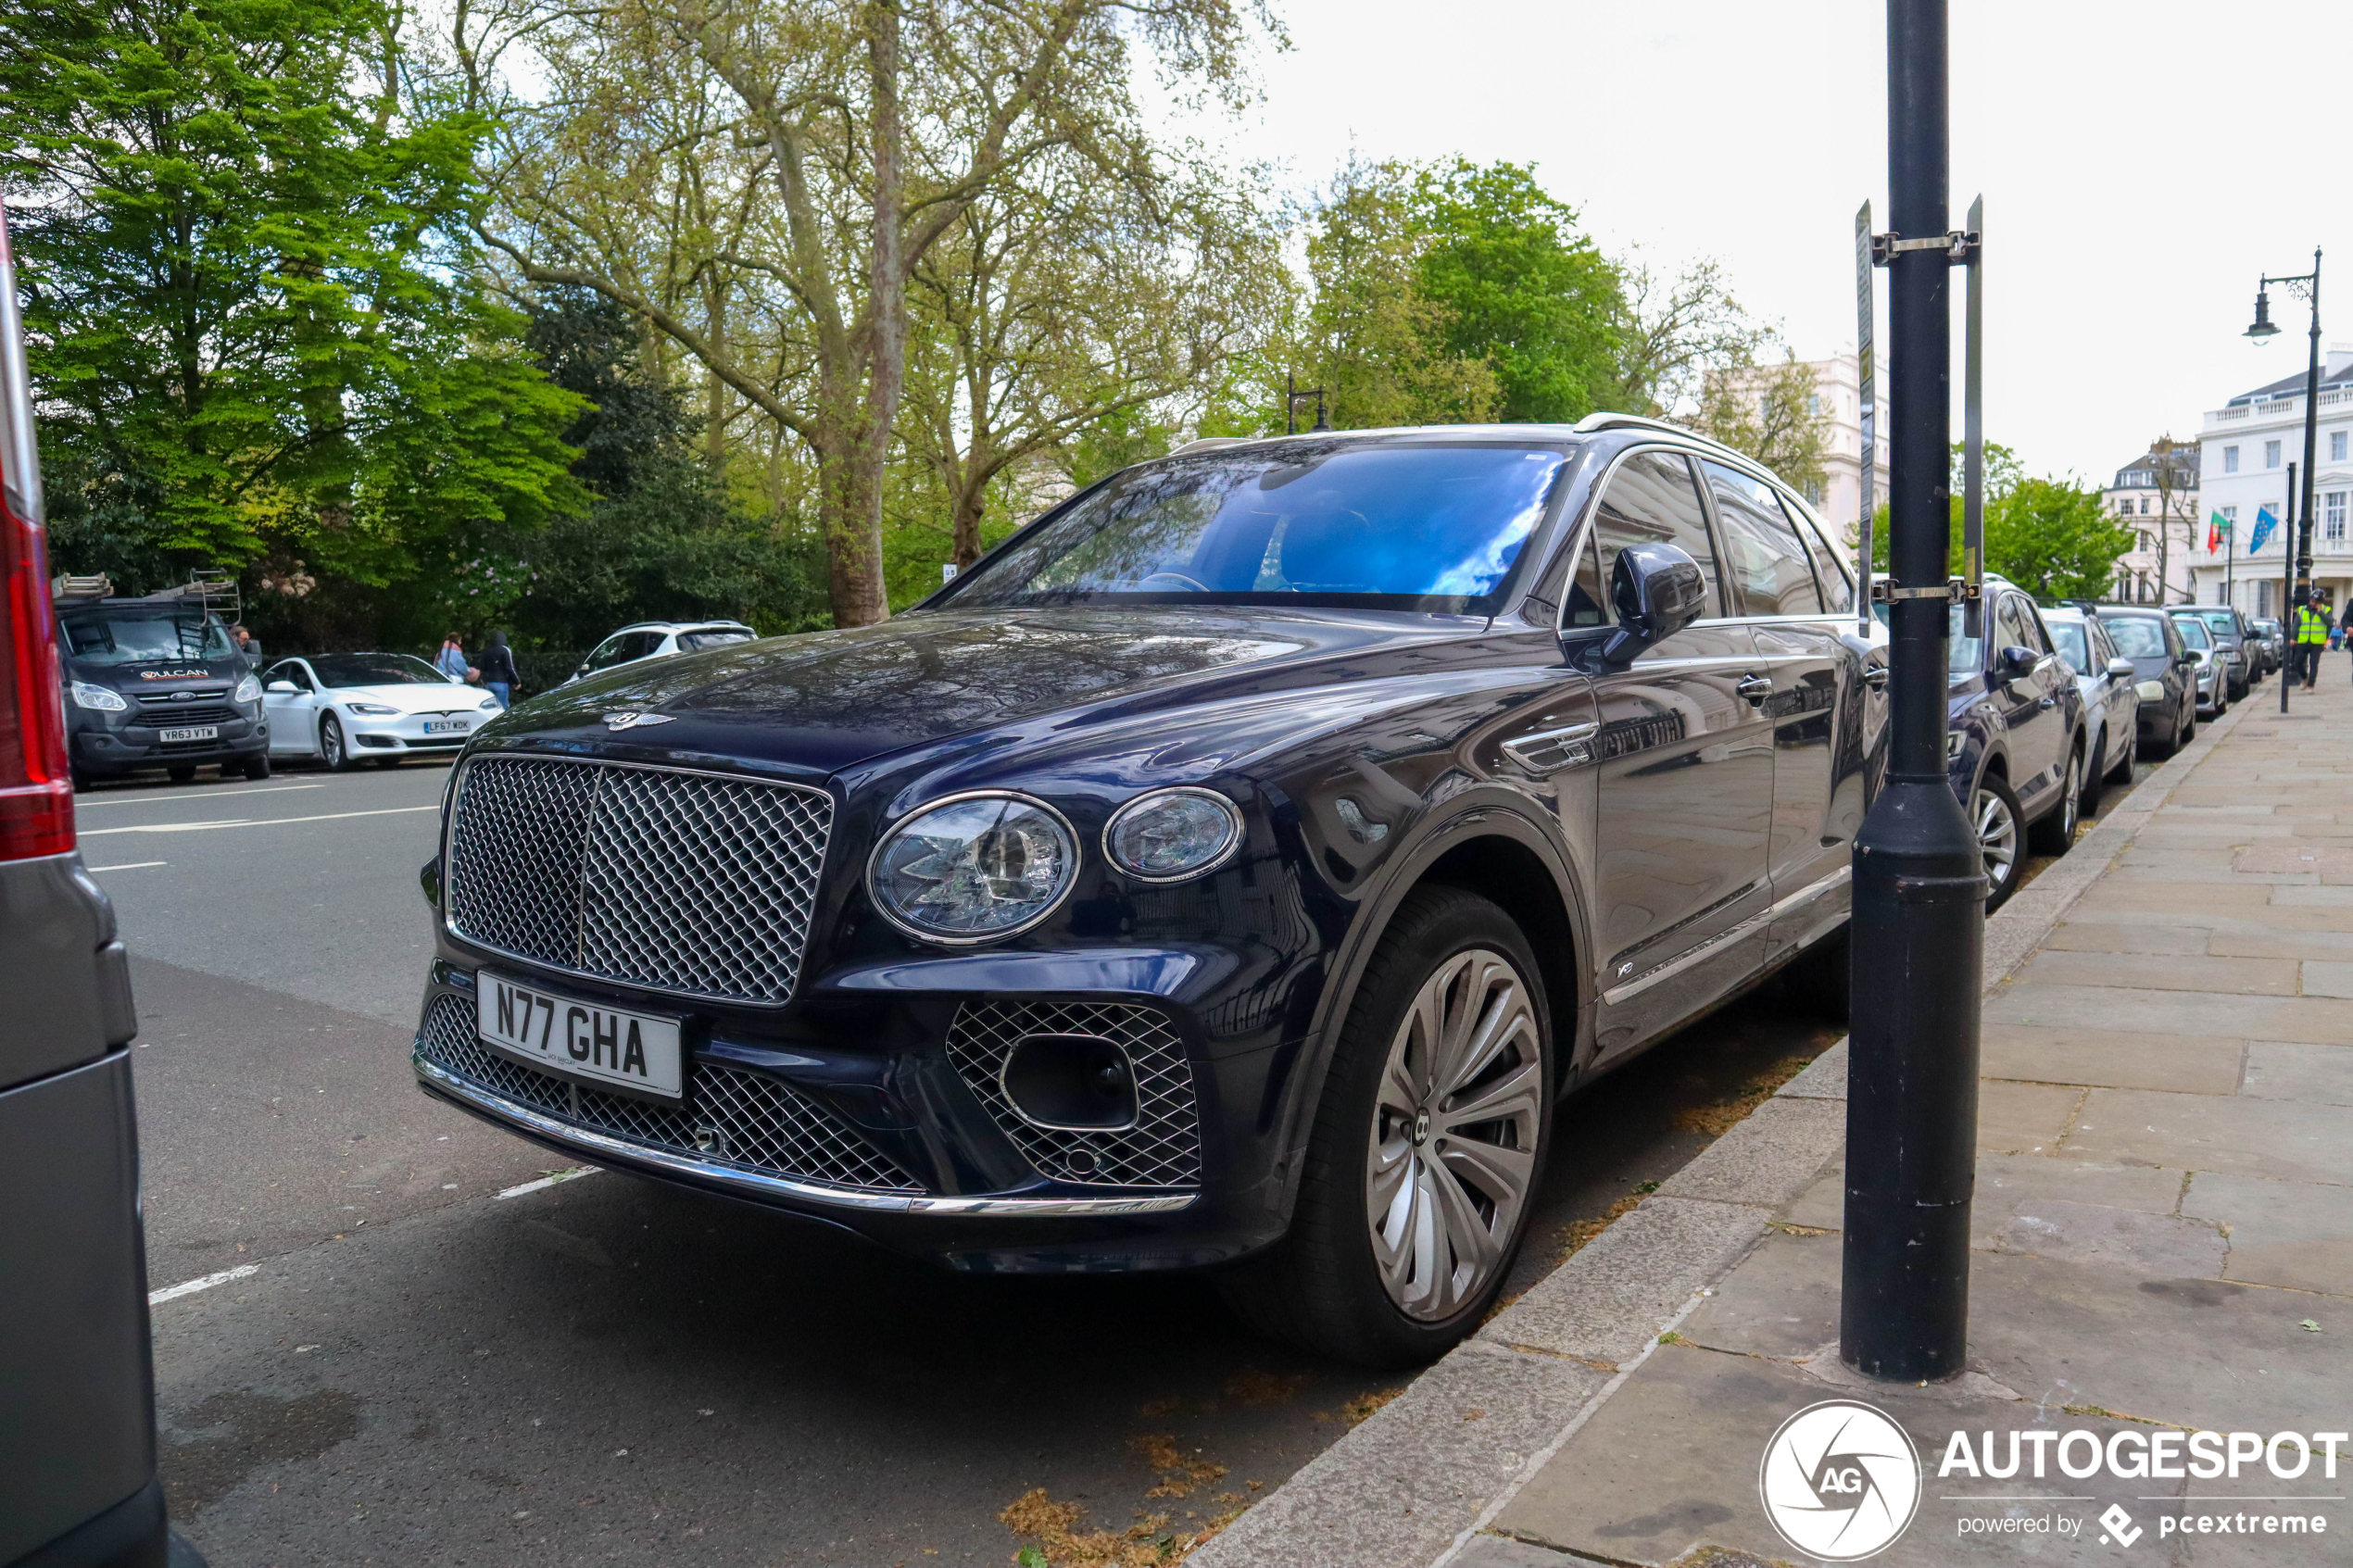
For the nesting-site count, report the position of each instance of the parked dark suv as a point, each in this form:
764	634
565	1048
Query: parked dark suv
2015	743
2164	670
1232	868
78	1485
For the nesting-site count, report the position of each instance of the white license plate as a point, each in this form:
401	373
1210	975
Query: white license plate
447	726
201	732
580	1039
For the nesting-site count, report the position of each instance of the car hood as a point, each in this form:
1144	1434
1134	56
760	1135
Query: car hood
412	697
822	701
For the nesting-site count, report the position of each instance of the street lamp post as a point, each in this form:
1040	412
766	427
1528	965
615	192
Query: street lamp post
1919	922
1292	395
2306	286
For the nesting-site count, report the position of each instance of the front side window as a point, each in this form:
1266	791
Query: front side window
2073	645
293	673
2193	631
1424	527
1652	499
376	670
141	635
617	649
1763	559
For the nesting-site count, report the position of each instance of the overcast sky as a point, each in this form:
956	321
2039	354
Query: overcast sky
2142	164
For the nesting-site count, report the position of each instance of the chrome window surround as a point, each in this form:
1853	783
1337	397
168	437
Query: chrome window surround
1224	850
882	840
802	891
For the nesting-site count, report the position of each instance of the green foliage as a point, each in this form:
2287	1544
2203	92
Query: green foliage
255	333
1519	287
2054	537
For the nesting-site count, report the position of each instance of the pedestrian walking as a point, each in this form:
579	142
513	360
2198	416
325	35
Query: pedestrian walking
451	661
2312	627
499	670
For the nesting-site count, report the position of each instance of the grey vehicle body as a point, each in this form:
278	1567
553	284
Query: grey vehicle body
78	1483
2212	662
2271	638
2109	683
2234	636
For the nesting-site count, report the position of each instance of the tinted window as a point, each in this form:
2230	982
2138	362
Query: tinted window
2016	625
690	642
2224	622
1652	499
290	672
2193	631
2137	636
141	635
1966	654
1830	567
375	669
1763	559
1588	601
2072	644
615	651
1419	527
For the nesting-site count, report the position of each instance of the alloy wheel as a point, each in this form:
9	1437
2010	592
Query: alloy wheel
331	743
1454	1135
1996	836
2071	798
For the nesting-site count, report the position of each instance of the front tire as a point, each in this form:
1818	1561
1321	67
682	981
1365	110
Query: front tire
257	767
2054	834
2122	772
332	749
1995	816
2095	779
1427	1148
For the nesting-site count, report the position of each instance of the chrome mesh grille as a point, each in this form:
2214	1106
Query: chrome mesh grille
731	1116
689	882
1163	1149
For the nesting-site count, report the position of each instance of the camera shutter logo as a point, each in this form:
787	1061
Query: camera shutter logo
1839	1481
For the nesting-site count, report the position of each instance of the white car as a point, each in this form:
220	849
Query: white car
657	639
342	706
2111	699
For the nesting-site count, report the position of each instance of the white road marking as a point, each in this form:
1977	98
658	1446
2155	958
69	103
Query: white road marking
258	821
544	1183
159	799
129	866
190	1286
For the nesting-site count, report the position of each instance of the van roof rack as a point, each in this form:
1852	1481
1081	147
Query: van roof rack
66	585
215	587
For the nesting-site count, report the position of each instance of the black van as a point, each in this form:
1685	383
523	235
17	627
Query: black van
157	683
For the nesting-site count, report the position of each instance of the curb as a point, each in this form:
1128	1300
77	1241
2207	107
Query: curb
1413	1483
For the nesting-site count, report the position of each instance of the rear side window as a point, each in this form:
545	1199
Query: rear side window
1830	569
1763	559
1652	499
695	641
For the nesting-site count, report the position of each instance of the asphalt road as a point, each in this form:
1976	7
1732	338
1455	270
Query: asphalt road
422	1367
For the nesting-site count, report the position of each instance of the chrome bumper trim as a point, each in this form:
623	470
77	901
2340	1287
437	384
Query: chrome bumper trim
595	1143
1723	939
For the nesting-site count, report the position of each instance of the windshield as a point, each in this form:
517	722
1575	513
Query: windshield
375	669
141	635
1422	527
2136	636
2071	647
2193	630
2225	624
1968	654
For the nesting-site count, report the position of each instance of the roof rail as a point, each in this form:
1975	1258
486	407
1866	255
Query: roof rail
1212	443
65	585
1592	422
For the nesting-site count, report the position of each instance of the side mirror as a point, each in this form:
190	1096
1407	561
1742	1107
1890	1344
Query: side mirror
284	688
2188	659
2015	661
1658	590
2120	670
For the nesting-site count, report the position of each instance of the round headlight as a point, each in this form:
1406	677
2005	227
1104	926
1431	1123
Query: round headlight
1172	835
973	868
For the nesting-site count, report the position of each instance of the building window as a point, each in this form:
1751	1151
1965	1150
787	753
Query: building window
2333	517
2271	454
2263	598
2229	460
2336	446
1813	492
2144	541
2124	505
2145	506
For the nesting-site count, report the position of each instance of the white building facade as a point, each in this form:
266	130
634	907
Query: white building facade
2156	496
2245	450
1839	497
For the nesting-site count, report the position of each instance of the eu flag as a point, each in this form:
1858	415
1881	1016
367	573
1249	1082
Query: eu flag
2264	523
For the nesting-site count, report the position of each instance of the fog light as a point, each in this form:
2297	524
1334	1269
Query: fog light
1074	1083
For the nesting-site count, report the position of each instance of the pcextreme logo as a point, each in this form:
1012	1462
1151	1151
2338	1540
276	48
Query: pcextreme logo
1839	1481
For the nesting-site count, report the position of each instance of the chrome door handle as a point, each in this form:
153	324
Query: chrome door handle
2047	702
1756	688
1876	677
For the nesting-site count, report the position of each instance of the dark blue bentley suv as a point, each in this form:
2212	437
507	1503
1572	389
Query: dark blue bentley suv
1233	870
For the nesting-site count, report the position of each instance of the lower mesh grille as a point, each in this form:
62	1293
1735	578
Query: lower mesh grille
1163	1149
731	1117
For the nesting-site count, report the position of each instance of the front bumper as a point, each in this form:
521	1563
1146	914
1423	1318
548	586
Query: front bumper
105	749
898	1147
404	735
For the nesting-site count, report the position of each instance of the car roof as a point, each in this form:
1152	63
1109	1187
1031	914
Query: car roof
678	626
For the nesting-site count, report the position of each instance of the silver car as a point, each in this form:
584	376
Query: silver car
2111	699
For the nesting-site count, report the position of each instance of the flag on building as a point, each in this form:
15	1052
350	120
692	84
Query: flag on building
2216	526
2264	523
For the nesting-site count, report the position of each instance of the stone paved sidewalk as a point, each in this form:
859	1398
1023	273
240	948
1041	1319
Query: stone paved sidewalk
2163	1216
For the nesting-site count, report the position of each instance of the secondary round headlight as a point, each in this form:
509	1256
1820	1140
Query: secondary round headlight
1172	834
973	868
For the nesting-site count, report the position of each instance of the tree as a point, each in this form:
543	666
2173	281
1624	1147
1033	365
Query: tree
2173	464
842	143
1521	288
1773	414
252	328
1679	335
2054	537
